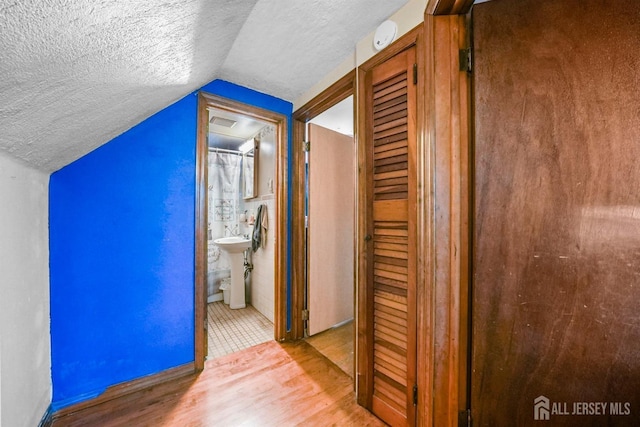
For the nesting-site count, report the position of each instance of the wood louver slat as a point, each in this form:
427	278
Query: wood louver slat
390	139
390	126
401	138
391	287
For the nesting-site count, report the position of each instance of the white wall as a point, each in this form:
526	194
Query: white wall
262	275
406	18
25	345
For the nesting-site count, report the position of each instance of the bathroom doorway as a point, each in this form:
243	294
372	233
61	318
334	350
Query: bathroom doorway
239	290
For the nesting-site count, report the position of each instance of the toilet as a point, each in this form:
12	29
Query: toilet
225	287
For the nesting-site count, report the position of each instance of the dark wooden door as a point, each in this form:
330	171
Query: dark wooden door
390	325
556	254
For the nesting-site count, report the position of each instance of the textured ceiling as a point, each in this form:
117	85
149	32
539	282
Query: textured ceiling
74	74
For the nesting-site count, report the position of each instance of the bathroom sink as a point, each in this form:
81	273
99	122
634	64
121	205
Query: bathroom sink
233	244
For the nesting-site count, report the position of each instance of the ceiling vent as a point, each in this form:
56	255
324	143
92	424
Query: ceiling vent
221	121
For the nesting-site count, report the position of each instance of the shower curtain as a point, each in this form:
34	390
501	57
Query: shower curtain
224	204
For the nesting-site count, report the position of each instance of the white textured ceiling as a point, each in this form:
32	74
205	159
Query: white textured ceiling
76	73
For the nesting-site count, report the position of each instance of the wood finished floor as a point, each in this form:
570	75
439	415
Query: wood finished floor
336	344
271	384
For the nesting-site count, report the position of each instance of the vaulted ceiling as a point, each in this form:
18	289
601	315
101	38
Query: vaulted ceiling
76	73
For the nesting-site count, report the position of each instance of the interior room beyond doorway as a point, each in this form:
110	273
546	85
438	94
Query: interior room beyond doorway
240	288
330	219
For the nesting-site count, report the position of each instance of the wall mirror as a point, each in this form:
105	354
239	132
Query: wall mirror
250	170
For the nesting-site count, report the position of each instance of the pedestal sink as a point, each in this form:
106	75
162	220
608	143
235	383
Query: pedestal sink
234	246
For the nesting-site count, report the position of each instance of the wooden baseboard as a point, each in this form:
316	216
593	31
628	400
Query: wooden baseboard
47	418
123	389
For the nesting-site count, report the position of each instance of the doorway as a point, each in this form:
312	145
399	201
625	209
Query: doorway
342	92
240	167
330	285
241	163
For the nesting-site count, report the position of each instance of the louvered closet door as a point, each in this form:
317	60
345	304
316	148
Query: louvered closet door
391	267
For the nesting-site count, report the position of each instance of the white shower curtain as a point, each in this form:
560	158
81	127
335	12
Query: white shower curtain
224	204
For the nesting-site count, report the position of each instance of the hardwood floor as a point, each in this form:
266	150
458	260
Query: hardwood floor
270	384
336	344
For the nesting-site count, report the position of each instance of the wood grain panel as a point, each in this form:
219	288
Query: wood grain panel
391	268
392	282
390	210
443	308
390	246
388	220
391	393
557	230
400	141
449	7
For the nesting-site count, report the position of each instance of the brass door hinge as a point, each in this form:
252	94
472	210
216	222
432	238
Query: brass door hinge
464	418
466	60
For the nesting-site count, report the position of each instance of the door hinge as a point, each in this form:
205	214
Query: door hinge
415	74
415	395
305	314
464	418
306	146
466	58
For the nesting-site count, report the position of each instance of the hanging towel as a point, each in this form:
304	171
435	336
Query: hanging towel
260	227
264	226
257	231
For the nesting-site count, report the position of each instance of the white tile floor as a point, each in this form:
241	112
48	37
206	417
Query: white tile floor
235	330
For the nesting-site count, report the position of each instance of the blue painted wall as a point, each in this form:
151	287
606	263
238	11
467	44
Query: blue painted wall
122	228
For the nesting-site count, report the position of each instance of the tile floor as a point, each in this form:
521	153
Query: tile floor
234	330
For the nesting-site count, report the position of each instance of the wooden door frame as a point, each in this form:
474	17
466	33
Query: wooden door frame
444	177
206	100
446	313
335	93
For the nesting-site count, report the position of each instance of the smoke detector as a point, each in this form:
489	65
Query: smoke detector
384	35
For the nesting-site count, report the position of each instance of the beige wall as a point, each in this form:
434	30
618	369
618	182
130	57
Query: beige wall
25	345
406	18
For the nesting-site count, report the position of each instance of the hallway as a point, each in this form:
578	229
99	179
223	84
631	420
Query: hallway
270	384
